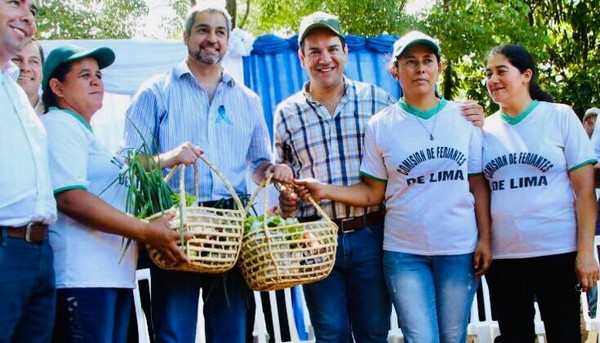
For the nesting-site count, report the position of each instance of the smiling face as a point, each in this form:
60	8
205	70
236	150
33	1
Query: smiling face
208	38
418	70
17	26
504	82
323	56
29	62
82	90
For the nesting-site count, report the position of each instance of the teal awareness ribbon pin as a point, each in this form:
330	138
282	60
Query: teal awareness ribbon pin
222	116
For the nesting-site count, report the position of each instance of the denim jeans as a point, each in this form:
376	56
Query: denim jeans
352	300
175	305
92	315
431	294
27	291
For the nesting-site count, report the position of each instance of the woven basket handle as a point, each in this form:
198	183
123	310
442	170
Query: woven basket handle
265	184
228	185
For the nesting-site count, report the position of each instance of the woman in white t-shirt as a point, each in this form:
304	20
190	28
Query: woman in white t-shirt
424	159
93	280
539	164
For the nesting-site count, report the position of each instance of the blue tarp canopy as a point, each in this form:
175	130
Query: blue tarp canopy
273	68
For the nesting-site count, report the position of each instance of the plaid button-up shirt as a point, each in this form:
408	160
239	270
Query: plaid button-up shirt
327	147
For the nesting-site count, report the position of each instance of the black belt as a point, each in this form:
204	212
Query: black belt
34	232
347	225
228	203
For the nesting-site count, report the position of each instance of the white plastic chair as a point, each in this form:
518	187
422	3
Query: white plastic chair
486	330
592	325
140	316
260	328
395	335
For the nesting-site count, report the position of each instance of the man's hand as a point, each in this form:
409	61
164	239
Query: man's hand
288	201
282	173
185	154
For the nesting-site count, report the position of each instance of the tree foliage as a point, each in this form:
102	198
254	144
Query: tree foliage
360	17
85	19
561	34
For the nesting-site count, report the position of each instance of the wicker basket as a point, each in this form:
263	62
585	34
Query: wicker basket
217	233
283	256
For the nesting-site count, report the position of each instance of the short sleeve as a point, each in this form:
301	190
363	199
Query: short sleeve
373	165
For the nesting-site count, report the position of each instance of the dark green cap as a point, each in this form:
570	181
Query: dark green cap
413	38
68	53
319	20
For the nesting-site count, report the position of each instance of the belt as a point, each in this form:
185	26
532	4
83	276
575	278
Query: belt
347	225
34	232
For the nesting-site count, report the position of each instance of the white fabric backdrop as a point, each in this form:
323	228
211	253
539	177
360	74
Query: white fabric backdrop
137	61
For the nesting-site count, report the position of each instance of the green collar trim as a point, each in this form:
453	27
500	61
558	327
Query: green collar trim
423	114
75	115
515	120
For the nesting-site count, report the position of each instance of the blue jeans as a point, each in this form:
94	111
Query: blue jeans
432	295
27	291
92	315
352	300
226	298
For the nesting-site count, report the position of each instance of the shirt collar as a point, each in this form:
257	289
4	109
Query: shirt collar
12	70
305	89
182	69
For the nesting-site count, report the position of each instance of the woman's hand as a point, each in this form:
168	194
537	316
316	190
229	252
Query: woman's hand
310	188
482	258
162	238
587	271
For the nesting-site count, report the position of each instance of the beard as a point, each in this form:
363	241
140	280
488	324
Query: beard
200	55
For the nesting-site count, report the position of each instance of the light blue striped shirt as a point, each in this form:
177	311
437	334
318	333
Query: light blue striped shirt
174	108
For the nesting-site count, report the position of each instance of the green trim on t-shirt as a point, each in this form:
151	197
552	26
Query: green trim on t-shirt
475	174
423	114
592	162
515	120
76	115
373	177
69	188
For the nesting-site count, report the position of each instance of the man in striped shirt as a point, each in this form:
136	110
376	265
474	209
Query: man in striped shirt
319	133
200	104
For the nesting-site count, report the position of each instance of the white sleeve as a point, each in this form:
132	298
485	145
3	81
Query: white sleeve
372	164
67	152
577	146
475	159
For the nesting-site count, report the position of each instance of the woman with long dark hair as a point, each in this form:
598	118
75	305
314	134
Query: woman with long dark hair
539	164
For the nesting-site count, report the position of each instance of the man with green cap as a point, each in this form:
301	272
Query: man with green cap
319	133
27	206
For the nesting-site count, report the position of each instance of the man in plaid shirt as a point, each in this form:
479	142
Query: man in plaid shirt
319	133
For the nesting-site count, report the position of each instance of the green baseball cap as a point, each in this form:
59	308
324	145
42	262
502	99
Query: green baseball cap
319	20
412	38
68	53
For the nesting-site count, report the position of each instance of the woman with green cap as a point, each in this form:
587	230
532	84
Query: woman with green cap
424	159
94	284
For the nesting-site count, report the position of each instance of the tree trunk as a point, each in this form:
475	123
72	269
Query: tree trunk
231	6
448	82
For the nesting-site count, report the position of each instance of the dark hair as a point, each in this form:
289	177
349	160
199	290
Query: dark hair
41	50
521	59
48	96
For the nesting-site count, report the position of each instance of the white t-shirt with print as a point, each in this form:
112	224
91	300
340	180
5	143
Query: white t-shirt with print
526	161
85	257
429	209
